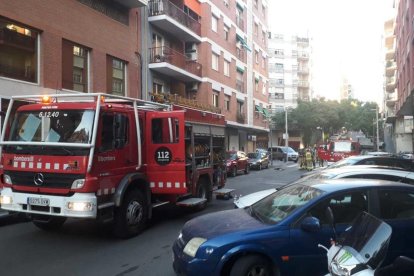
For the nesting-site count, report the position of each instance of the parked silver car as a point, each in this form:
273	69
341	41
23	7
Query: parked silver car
280	153
363	171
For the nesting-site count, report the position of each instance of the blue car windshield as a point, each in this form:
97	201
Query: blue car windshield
281	204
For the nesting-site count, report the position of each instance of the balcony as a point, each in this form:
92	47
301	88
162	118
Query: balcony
172	19
391	100
390	84
303	70
174	64
303	84
390	68
181	101
133	3
240	86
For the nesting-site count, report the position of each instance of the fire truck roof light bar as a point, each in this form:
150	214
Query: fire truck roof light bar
94	96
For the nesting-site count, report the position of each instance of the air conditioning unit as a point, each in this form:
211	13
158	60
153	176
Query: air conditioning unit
192	87
191	56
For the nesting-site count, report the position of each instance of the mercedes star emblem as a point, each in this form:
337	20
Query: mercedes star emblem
39	179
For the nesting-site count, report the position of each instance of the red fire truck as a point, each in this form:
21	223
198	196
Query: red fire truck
338	149
107	157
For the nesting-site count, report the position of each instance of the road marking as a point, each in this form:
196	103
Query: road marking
291	166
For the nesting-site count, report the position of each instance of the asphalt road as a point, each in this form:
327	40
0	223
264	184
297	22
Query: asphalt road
87	248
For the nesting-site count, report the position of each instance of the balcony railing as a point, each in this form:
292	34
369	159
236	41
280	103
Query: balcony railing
166	54
240	86
178	100
165	7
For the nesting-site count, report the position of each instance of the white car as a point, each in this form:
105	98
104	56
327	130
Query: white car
362	171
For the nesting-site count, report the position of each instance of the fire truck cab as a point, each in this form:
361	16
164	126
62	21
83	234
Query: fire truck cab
107	157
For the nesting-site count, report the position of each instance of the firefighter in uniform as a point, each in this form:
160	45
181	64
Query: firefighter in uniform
308	160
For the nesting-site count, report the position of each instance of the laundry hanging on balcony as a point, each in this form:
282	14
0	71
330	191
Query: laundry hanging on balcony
243	42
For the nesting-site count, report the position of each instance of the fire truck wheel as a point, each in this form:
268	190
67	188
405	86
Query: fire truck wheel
131	216
48	223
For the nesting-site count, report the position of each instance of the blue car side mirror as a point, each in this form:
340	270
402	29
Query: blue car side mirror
311	224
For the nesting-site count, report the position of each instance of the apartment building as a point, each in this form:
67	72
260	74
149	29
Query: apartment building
346	91
211	54
289	79
399	78
69	46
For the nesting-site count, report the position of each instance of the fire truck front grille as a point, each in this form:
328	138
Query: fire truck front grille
48	180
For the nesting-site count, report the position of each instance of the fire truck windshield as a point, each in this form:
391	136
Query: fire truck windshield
66	126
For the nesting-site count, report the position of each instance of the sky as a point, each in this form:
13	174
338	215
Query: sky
346	40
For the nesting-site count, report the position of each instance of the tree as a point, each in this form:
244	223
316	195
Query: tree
330	115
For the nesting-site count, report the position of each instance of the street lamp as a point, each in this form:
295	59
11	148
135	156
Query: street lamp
376	119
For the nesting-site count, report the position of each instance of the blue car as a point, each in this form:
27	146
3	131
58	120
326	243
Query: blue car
279	235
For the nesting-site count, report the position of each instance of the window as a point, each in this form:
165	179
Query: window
226	68
256	29
345	207
114	133
256	56
240	107
263	62
74	67
263	37
396	204
214	23
157	88
215	99
264	88
255	3
214	62
256	85
226	32
165	130
279	67
227	102
279	52
18	51
116	76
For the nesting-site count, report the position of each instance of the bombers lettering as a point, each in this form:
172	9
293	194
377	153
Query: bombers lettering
23	158
106	158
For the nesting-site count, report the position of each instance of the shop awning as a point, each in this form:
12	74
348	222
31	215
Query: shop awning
240	69
194	5
265	112
243	42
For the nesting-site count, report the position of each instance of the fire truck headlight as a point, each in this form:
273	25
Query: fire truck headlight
6	200
7	179
80	206
78	183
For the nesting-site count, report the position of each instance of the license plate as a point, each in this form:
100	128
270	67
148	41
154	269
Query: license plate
39	201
